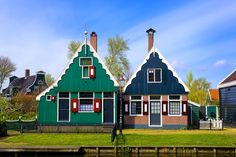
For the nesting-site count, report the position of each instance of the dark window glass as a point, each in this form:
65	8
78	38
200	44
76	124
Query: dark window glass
63	109
158	75
85	72
174	97
136	97
48	97
86	94
155	97
151	75
85	61
136	107
64	95
108	94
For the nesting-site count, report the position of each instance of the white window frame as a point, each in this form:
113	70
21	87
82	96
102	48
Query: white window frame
180	100
49	98
58	106
141	100
85	98
85	65
154	69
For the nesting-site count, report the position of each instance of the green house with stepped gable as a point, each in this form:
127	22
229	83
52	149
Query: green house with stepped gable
83	98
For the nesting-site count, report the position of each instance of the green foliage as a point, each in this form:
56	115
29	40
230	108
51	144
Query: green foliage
49	79
198	89
117	61
72	48
6	68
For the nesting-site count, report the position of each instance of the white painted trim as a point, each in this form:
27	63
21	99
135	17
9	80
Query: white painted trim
154	69
180	99
86	98
83	72
226	78
229	84
47	98
135	115
164	61
95	53
194	103
114	115
149	103
102	108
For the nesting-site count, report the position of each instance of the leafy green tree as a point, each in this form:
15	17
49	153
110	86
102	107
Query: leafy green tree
72	48
116	60
49	79
198	89
6	68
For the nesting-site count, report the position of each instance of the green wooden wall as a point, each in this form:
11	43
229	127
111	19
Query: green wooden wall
73	82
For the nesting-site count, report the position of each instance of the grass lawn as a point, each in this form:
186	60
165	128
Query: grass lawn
133	137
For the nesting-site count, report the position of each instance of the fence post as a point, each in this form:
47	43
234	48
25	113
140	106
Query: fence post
21	127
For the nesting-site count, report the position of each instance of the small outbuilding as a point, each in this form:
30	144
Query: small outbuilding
193	115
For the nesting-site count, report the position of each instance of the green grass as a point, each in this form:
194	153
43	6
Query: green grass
132	137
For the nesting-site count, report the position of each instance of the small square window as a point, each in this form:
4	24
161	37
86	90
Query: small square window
85	72
154	75
48	97
85	61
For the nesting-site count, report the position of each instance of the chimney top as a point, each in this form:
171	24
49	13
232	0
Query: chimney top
27	72
150	30
93	40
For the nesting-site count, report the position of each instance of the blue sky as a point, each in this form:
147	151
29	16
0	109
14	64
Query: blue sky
197	36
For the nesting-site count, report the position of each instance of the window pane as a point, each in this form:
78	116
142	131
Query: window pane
85	61
155	97
136	97
86	94
108	94
155	107
151	75
174	108
176	97
136	107
85	72
63	104
64	95
157	75
86	105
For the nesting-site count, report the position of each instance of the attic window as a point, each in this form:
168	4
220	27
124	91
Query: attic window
154	75
40	82
85	61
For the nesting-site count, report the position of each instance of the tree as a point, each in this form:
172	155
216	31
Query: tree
49	79
6	68
198	89
72	47
116	60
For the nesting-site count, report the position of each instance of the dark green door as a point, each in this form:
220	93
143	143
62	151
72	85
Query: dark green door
155	113
108	112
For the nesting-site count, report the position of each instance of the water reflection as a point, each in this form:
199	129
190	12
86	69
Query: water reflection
118	155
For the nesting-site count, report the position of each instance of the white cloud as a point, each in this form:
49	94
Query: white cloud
220	63
177	65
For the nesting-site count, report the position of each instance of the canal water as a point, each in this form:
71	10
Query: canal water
119	155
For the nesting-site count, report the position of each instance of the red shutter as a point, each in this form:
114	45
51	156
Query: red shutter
164	107
126	107
184	107
53	98
145	107
97	105
92	72
75	105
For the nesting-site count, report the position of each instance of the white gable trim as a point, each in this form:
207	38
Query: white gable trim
164	61
71	61
228	84
194	103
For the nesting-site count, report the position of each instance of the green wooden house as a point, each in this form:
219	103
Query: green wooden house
83	98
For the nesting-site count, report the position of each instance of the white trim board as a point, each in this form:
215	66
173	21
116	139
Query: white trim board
227	84
95	53
194	103
164	61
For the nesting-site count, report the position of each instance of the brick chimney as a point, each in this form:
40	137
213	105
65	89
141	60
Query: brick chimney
27	72
150	38
93	40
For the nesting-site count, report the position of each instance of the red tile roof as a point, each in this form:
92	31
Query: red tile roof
214	94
